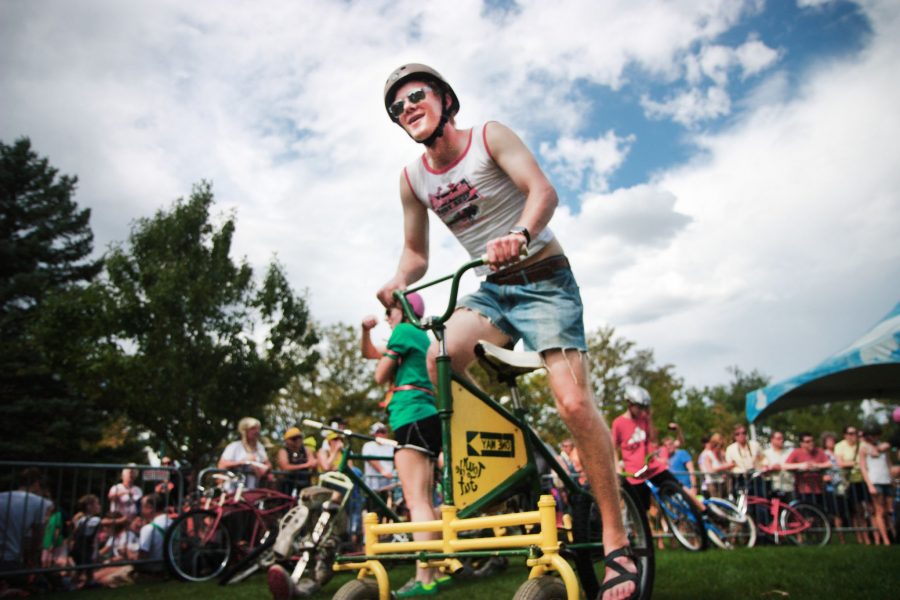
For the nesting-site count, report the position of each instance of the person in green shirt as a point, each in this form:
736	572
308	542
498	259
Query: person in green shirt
402	364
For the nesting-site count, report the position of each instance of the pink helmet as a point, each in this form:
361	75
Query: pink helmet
416	303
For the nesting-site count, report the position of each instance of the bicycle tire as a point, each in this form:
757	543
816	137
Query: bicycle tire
190	557
817	533
252	561
357	589
735	529
546	587
685	520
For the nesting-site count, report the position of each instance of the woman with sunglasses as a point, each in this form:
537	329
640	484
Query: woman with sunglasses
487	188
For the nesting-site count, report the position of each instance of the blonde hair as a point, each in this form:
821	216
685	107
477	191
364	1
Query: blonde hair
247	423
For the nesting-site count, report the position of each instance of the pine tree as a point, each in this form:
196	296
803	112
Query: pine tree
45	246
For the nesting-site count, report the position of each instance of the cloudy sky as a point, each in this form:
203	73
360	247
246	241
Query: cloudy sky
729	191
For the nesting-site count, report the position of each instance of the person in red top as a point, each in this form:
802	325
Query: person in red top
635	439
809	463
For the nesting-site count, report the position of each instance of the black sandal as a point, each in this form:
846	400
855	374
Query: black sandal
624	575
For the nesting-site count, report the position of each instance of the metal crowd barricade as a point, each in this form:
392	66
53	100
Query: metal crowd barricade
848	507
64	484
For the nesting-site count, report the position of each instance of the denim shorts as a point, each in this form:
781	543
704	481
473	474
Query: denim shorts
545	315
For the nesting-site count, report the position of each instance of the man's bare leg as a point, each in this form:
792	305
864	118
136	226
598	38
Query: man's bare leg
567	375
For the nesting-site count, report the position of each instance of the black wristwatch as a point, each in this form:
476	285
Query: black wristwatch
524	231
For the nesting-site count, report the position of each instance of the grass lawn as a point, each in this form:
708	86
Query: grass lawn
783	572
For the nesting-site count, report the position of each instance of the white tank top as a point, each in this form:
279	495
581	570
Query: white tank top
878	469
474	197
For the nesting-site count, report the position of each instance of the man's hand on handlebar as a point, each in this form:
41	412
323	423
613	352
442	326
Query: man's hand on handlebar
505	251
386	294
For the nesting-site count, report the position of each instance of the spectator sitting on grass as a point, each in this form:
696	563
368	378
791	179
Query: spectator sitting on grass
121	545
152	534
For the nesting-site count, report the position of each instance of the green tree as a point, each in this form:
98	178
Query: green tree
615	362
180	337
45	246
342	385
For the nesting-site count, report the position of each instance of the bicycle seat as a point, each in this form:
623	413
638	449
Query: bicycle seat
507	364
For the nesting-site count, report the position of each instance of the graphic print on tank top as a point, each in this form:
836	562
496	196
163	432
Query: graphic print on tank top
457	206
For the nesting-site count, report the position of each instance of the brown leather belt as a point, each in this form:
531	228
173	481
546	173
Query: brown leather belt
539	271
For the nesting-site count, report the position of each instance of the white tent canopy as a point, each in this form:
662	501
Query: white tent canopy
868	368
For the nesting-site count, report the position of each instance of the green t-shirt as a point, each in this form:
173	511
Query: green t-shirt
409	347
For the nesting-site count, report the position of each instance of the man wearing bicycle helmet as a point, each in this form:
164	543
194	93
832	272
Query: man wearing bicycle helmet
487	188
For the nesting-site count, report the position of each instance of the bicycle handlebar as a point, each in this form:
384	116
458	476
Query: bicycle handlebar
350	433
432	322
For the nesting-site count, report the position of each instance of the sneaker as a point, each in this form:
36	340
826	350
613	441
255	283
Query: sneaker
414	587
280	584
290	525
444	581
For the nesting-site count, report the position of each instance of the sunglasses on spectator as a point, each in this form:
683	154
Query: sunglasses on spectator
850	433
415	96
296	437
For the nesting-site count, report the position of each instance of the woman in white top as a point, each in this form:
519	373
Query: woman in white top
713	465
875	465
247	454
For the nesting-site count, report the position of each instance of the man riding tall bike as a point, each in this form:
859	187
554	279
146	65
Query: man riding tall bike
487	188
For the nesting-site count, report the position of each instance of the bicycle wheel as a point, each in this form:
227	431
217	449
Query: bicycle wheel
805	525
683	517
357	589
727	526
587	528
542	588
197	546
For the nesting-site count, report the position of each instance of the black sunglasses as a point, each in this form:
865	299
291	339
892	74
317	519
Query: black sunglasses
417	95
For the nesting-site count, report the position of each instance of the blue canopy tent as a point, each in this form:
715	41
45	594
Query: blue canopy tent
869	368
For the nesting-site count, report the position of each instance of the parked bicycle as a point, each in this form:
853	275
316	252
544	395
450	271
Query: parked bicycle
309	535
799	522
493	462
200	544
680	511
722	523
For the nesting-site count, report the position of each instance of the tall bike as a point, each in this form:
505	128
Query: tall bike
799	522
492	466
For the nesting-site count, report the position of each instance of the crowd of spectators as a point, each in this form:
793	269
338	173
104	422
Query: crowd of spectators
90	547
852	480
119	538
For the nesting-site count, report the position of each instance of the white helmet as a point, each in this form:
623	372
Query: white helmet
635	394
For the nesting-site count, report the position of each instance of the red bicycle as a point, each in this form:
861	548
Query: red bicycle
799	522
202	542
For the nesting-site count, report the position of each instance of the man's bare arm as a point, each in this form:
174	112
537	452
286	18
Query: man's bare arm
517	161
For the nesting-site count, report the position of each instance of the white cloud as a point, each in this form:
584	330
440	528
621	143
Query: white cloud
690	107
792	250
754	57
281	108
586	163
